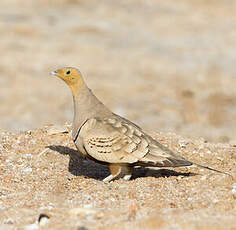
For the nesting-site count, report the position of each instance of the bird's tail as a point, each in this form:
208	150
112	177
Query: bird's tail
161	156
209	168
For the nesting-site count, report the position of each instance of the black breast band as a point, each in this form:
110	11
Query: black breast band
77	134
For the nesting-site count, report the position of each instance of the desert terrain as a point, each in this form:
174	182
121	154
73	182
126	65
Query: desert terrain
167	66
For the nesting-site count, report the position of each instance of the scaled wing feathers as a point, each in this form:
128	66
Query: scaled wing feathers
116	140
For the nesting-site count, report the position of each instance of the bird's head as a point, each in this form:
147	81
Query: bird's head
71	76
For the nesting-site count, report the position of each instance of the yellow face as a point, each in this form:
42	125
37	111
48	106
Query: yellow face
71	76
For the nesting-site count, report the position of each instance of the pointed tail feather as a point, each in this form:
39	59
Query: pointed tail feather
215	170
167	158
172	161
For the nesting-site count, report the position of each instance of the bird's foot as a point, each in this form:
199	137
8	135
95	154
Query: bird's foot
119	171
109	178
127	177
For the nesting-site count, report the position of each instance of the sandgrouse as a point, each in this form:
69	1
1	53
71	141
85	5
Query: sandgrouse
110	139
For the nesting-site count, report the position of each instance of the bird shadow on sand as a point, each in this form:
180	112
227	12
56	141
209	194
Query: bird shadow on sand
79	165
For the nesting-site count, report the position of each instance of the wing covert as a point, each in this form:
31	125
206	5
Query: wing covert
115	140
112	140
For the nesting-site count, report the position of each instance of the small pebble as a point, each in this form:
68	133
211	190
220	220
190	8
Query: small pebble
234	185
82	228
55	129
27	169
183	143
89	218
43	219
215	201
9	221
201	154
234	189
204	177
88	206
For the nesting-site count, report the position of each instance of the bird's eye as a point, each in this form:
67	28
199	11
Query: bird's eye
68	72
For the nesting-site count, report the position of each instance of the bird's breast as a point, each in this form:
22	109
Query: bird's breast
79	145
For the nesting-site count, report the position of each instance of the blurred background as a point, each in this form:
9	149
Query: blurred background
169	66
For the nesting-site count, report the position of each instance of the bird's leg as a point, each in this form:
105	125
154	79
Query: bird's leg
117	170
127	172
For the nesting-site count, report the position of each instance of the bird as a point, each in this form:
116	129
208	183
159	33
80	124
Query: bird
107	138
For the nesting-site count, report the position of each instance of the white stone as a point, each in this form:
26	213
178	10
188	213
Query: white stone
55	129
27	169
44	221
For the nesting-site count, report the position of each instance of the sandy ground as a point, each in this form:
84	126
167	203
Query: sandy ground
42	173
168	66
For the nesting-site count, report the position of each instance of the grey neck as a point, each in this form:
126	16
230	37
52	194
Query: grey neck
86	106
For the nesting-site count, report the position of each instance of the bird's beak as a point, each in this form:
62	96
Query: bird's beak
54	73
